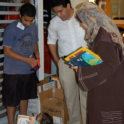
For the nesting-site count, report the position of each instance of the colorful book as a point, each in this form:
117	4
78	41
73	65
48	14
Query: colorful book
23	119
83	57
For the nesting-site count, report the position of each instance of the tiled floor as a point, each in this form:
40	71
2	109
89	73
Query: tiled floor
7	123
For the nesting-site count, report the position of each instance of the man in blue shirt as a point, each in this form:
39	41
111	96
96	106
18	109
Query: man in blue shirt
20	43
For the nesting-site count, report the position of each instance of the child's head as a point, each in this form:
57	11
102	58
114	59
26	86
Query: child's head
44	118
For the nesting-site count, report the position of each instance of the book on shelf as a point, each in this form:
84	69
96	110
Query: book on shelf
83	57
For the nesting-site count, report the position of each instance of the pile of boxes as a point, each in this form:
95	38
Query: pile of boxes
52	100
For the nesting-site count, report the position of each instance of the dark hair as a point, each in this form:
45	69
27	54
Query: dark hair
64	3
28	10
46	119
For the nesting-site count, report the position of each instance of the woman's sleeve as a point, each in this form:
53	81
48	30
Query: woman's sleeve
91	76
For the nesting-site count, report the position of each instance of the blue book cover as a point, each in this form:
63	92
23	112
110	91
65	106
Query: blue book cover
83	57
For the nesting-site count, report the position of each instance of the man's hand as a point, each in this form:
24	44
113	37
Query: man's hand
57	61
52	48
32	62
75	68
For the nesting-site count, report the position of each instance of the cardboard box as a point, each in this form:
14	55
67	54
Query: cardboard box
47	90
34	104
46	85
54	105
46	80
56	79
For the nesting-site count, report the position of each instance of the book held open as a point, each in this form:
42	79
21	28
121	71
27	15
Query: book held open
83	57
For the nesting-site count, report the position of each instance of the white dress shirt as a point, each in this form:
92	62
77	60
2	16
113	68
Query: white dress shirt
69	34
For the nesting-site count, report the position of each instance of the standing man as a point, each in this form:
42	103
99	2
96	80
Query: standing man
20	81
70	36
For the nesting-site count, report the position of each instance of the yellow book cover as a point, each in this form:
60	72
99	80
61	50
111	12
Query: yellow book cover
83	56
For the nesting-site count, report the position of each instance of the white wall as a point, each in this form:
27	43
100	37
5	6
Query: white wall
117	7
76	2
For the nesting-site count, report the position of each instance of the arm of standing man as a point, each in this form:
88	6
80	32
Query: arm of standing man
36	50
8	52
53	52
51	41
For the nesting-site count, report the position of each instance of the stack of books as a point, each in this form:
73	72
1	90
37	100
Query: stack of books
83	57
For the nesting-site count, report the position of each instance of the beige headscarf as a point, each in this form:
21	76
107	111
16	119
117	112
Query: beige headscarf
95	17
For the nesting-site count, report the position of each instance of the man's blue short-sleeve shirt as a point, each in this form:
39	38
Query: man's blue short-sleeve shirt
22	42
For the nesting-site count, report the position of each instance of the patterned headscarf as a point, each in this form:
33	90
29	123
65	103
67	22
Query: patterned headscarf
94	17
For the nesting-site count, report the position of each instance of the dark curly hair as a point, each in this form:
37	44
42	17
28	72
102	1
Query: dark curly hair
46	119
28	10
64	3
